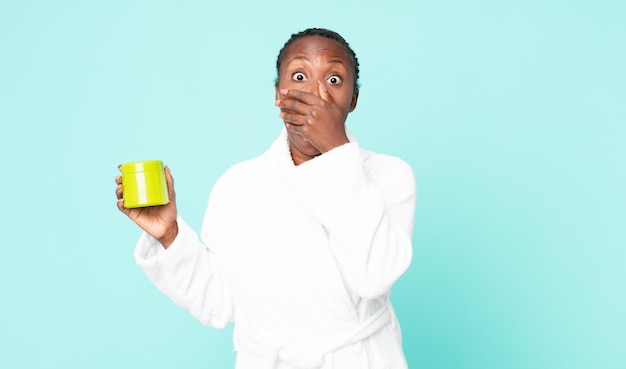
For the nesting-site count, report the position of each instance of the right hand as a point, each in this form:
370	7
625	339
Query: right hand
158	221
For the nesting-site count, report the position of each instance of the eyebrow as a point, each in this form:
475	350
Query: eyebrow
302	57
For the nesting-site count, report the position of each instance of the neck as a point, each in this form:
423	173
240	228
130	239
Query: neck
299	158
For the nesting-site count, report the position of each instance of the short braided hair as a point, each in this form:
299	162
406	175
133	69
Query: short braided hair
322	32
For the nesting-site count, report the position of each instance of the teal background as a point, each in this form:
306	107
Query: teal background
512	114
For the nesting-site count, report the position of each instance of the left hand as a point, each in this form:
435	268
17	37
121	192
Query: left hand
317	118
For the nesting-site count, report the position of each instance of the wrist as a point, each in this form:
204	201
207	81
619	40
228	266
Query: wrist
169	236
336	143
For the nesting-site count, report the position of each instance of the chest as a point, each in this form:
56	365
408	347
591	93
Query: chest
281	251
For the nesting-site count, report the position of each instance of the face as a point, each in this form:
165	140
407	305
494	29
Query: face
312	59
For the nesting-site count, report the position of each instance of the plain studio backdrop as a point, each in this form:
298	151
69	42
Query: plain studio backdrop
512	114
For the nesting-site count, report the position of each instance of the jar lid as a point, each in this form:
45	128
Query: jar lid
142	166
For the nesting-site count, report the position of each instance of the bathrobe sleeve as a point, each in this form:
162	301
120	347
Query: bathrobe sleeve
195	276
366	203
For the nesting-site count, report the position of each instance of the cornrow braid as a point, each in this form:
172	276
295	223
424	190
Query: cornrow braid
322	32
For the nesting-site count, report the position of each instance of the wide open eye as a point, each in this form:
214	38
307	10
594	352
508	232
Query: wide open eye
298	77
334	80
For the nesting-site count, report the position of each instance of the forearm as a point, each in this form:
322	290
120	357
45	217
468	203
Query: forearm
368	215
187	273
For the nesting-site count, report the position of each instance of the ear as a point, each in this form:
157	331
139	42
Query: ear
355	97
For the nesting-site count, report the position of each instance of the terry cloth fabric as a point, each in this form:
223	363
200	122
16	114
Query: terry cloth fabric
301	258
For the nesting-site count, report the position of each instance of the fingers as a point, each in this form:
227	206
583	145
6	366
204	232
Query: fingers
294	128
296	106
120	206
301	101
295	119
289	104
305	97
292	111
119	193
170	184
293	99
118	189
324	94
298	109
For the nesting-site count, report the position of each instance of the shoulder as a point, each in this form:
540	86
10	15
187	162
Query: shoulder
244	168
386	167
239	175
393	176
231	189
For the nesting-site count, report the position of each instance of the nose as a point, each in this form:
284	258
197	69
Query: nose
313	87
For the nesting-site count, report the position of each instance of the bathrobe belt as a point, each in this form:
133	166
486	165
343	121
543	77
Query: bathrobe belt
310	355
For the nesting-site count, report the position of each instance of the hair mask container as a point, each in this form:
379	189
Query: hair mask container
144	184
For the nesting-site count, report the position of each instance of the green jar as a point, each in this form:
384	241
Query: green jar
144	184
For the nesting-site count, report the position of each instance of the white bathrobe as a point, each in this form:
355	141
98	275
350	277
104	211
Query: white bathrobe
300	258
